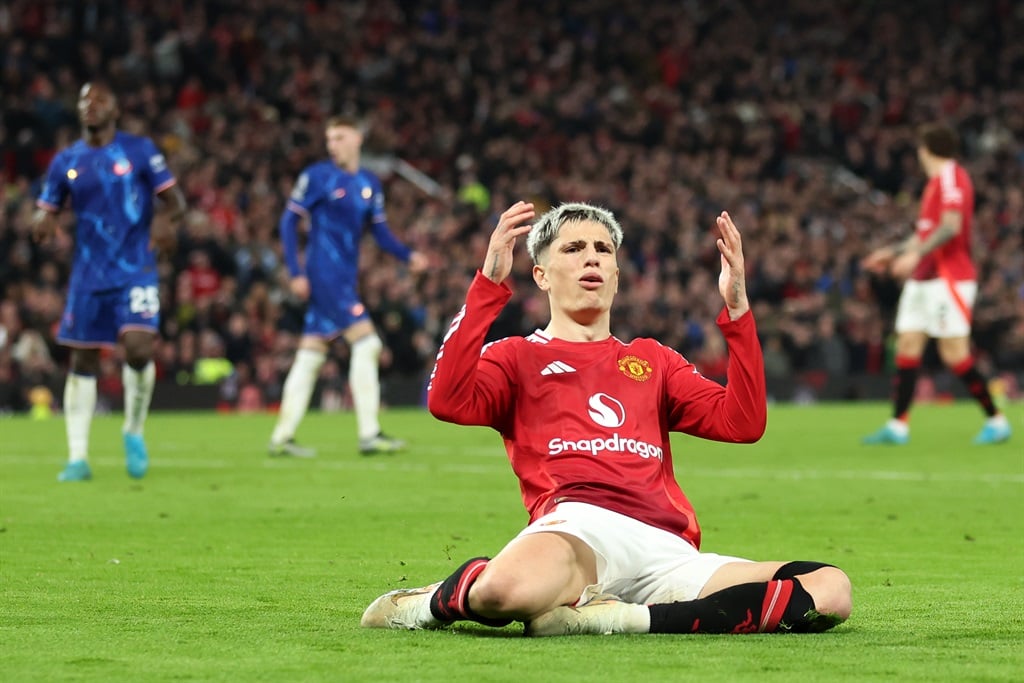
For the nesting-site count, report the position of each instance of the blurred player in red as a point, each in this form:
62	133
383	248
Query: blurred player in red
613	543
940	288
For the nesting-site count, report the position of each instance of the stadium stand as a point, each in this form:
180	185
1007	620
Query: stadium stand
797	117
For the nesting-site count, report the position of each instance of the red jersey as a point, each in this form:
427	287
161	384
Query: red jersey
589	422
950	190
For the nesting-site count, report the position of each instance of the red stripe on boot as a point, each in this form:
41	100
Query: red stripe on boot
776	599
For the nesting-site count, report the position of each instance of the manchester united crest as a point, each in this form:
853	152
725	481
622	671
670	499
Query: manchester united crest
635	368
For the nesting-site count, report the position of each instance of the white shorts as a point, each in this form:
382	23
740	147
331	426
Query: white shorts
635	561
929	306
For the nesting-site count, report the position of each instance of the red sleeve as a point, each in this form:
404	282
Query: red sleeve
951	190
466	387
737	412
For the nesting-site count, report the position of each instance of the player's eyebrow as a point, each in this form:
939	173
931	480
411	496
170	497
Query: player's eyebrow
580	243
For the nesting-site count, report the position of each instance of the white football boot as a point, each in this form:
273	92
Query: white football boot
603	615
407	608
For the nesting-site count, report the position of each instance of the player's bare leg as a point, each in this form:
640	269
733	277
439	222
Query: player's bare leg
530	576
533	574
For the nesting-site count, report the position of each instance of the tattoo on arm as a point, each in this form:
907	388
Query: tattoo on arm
944	233
904	246
494	269
737	289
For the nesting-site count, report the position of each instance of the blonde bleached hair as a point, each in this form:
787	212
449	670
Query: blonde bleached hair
546	228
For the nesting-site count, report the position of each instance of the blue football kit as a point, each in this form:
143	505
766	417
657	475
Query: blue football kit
114	276
338	207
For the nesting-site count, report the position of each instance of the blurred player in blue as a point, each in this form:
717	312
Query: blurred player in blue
339	200
110	178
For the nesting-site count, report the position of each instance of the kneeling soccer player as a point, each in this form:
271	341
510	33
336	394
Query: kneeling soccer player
613	543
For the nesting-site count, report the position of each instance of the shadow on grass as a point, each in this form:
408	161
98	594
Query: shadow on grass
514	630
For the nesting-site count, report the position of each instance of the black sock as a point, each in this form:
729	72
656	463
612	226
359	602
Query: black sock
450	602
903	391
747	608
976	384
794	569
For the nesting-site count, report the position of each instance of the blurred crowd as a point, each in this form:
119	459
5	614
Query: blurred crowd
797	117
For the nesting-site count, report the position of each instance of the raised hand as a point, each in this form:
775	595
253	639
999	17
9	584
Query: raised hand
511	224
732	283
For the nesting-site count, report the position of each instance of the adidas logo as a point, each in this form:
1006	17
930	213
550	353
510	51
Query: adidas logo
557	368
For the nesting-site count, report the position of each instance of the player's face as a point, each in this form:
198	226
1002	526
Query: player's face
343	144
580	271
97	106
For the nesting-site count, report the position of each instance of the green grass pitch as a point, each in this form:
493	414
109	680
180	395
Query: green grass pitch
226	565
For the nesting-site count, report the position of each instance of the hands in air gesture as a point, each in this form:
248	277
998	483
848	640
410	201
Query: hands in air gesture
511	224
732	283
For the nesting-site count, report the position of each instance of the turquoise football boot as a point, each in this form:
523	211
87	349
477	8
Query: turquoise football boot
136	458
886	436
993	432
75	471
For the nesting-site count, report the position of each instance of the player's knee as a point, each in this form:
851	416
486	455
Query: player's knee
831	590
136	359
85	361
138	350
370	345
499	594
951	357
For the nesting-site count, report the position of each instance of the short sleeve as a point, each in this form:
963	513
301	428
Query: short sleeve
377	214
55	187
304	194
157	166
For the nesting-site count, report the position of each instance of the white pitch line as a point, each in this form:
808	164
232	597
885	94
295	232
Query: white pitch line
857	475
400	463
173	463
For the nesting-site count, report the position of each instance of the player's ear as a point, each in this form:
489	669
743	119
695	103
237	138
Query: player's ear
540	276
